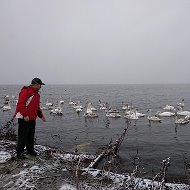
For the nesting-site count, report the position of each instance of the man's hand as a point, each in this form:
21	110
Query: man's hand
43	119
26	118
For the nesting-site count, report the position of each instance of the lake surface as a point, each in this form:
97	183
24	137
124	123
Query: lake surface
152	143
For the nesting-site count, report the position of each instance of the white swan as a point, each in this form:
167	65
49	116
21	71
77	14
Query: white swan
153	118
78	107
61	102
126	107
72	102
57	111
114	115
169	107
78	110
91	115
48	103
110	110
93	108
44	108
103	107
6	99
182	120
6	108
89	112
131	116
134	112
165	114
181	104
140	114
183	113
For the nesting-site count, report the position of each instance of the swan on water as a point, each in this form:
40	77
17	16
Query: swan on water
126	107
132	116
153	118
6	107
134	112
114	115
182	120
78	107
103	107
165	114
89	112
61	102
72	102
169	107
183	113
57	111
49	104
181	104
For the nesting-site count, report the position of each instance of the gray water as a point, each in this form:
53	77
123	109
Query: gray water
152	143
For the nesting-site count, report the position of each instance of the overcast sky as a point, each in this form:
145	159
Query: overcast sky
95	41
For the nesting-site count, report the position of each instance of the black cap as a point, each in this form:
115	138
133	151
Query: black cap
37	81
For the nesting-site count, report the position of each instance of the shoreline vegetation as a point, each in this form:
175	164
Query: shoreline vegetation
55	169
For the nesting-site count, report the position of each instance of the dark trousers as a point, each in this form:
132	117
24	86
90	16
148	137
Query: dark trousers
26	132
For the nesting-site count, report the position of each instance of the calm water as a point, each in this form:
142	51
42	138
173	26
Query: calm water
153	142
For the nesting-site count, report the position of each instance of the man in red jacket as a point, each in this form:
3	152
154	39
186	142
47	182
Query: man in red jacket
27	110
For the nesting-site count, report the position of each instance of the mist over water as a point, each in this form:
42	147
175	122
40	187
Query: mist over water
152	143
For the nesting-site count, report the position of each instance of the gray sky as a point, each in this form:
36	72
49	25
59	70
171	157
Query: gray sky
95	41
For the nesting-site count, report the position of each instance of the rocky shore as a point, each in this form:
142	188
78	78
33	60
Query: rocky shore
53	169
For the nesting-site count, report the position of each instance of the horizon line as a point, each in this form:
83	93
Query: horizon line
106	84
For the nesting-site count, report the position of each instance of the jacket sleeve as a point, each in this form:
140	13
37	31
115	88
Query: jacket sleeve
23	97
40	114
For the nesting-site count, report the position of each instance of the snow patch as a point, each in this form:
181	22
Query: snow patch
4	156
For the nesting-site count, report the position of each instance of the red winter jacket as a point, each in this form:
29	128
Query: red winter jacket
29	103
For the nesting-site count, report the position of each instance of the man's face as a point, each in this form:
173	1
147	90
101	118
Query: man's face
37	87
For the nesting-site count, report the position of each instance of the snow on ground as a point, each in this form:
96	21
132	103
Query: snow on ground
68	187
4	156
49	170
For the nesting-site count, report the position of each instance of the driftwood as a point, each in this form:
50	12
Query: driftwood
111	151
162	174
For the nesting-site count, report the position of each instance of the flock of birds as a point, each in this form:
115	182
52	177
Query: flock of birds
182	116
